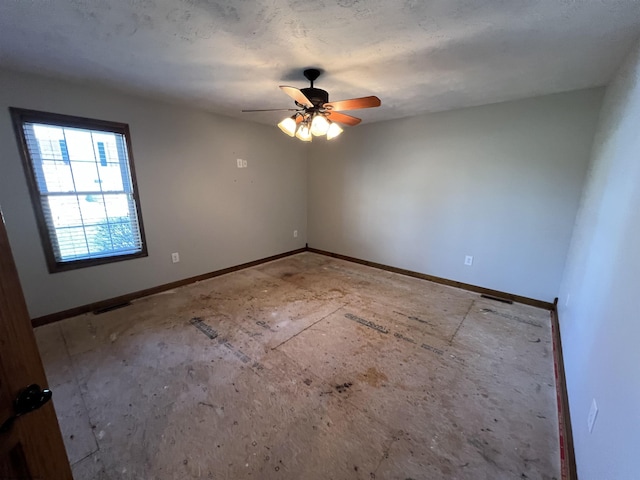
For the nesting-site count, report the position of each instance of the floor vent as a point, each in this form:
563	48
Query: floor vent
491	297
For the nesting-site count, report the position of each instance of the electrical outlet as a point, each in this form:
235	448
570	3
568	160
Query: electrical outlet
175	257
593	413
240	162
295	234
468	260
244	164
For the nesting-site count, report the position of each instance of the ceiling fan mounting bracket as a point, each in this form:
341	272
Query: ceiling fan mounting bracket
312	74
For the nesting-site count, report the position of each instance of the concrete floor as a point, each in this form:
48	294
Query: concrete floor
307	367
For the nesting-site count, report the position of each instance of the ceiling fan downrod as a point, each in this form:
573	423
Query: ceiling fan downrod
312	74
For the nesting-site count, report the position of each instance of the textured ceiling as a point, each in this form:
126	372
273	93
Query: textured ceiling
416	55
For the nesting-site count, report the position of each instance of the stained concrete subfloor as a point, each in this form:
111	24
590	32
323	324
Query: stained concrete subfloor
307	367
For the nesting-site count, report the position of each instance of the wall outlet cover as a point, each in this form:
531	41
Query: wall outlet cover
468	260
175	257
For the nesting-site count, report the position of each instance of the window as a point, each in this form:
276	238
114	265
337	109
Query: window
82	183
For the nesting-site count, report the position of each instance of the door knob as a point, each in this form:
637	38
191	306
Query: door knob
28	400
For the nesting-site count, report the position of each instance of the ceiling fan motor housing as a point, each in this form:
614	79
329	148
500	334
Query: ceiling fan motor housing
317	96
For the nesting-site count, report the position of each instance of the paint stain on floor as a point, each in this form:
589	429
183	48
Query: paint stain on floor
373	377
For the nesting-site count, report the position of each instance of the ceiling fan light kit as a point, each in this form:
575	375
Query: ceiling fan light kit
288	126
315	116
319	125
334	131
304	133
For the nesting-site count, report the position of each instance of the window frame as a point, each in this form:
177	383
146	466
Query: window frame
19	116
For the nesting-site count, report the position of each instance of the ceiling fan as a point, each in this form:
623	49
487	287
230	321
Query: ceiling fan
315	114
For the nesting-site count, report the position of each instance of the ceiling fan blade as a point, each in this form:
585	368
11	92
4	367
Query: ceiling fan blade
272	110
297	95
342	118
353	103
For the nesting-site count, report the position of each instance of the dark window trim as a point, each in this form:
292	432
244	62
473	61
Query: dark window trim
20	116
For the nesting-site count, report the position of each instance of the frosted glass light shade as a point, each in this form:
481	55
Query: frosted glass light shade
288	126
304	133
319	125
333	131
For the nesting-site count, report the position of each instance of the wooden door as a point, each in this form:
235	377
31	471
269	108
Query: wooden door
32	447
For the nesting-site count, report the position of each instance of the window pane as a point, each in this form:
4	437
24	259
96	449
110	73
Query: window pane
118	235
110	165
85	176
99	238
49	138
72	243
111	177
117	205
92	208
79	145
57	176
65	211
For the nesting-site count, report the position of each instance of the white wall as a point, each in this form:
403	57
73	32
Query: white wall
600	325
500	182
194	199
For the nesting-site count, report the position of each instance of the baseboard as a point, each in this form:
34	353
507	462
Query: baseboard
567	455
443	281
105	304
